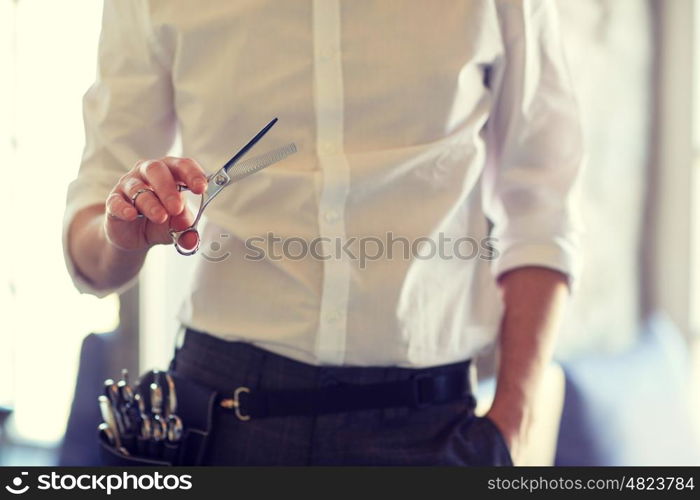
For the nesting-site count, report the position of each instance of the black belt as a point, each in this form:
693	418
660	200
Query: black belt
419	391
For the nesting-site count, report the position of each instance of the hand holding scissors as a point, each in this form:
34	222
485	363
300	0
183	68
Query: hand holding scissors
147	206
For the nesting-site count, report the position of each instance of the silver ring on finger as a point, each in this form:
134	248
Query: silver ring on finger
139	193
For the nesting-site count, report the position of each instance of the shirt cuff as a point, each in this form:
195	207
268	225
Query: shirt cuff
559	254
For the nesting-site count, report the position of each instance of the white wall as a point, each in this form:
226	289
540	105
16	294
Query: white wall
609	46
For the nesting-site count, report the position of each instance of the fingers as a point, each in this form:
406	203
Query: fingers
187	242
151	189
190	239
157	175
117	207
160	233
188	172
182	221
163	177
144	199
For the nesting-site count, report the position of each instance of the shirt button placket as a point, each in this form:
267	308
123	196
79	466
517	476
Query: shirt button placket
328	97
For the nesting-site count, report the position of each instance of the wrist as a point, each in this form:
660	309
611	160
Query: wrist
512	422
509	416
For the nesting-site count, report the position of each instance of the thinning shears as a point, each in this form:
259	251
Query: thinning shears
233	171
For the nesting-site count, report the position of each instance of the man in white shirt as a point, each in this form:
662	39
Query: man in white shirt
415	120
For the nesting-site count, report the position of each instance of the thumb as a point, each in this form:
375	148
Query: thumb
190	239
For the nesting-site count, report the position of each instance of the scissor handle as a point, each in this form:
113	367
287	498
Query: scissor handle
176	235
205	198
216	183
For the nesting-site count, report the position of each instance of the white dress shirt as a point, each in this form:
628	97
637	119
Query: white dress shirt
414	119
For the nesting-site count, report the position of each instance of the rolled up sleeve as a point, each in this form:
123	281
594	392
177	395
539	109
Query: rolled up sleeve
128	114
535	150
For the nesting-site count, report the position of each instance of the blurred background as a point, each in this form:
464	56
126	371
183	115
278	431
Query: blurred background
625	389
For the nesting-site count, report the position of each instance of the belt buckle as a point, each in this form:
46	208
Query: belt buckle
235	403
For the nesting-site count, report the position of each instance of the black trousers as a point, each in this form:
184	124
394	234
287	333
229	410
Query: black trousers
444	434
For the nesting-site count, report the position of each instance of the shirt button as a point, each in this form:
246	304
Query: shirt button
327	53
331	216
328	148
333	316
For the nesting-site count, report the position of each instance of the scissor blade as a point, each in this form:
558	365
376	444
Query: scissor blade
250	144
257	163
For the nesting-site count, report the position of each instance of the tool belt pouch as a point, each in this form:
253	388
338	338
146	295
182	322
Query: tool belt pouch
195	408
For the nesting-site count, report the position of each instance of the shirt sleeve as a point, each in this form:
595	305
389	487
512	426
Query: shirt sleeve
128	114
535	150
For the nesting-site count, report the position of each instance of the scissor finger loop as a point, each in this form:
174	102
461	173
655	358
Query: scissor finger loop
177	235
